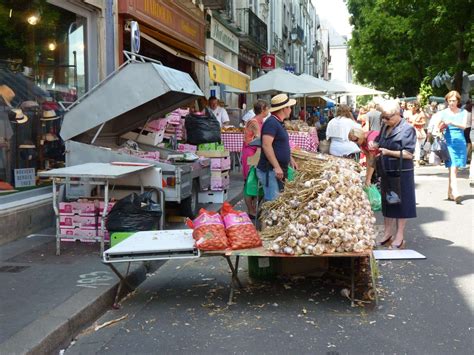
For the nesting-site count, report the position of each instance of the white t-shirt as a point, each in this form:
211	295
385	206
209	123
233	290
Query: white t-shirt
338	131
221	115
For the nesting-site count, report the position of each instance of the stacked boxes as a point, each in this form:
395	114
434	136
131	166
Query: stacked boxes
220	180
81	219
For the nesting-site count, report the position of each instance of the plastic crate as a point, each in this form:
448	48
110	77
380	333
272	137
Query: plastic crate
262	268
117	237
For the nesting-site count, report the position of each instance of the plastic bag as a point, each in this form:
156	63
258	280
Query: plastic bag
251	183
240	230
374	196
134	213
202	128
291	174
209	232
440	148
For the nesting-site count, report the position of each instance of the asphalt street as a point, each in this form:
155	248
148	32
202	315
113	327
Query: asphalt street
425	307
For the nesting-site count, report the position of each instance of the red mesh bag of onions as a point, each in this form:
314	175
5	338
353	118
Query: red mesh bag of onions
208	231
239	228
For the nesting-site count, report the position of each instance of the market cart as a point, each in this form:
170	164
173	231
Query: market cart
102	175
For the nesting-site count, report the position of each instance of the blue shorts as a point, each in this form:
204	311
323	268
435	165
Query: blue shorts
271	191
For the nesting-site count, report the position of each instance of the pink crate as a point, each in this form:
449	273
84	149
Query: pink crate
101	207
187	148
220	163
220	183
83	208
84	222
150	155
78	232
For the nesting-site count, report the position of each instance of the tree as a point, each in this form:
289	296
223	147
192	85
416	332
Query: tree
397	43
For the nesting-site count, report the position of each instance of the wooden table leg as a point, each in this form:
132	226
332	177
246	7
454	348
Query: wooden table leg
373	274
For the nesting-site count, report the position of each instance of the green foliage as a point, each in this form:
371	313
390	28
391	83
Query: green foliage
425	91
396	44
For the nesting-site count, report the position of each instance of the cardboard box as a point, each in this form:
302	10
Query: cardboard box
83	222
220	183
101	207
212	153
303	266
79	232
145	136
81	208
187	148
212	196
220	163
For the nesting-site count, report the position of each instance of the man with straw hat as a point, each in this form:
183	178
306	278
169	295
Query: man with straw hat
272	168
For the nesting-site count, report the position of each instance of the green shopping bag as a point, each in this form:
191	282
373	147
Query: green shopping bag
291	174
374	196
251	184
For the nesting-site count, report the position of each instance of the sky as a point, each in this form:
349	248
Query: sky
335	13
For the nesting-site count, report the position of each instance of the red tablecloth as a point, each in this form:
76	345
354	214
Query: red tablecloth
305	140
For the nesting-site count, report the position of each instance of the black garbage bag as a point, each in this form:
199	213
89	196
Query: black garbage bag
134	213
202	128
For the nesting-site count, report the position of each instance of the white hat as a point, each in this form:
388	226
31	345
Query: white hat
280	101
20	117
49	115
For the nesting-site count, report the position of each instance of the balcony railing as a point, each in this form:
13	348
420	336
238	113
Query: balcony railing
252	26
216	4
277	46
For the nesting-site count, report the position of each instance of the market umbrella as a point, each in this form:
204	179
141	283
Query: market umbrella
354	89
284	81
328	86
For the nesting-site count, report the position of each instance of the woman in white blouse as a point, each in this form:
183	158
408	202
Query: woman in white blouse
338	130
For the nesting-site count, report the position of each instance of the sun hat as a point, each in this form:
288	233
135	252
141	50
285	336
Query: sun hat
7	94
18	116
27	145
280	101
49	115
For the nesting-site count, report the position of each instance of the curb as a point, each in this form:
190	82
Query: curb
55	330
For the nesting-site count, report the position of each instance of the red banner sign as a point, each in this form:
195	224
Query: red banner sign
268	62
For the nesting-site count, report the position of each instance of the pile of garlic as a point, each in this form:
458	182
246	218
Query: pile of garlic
324	210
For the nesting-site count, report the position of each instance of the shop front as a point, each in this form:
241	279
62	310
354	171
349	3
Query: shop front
171	32
49	58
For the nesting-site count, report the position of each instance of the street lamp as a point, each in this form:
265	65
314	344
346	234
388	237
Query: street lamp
33	18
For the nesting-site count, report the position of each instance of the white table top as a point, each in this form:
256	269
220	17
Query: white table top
95	170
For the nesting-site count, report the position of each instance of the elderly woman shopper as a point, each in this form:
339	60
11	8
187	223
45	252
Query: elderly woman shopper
338	130
365	140
396	143
453	122
252	130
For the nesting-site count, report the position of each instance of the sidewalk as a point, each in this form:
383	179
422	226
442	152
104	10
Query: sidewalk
47	299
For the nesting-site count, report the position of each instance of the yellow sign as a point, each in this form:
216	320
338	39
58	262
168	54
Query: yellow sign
222	73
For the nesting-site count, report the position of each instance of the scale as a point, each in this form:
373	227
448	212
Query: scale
154	245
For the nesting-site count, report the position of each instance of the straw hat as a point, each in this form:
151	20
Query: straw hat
280	101
7	94
18	116
49	115
27	145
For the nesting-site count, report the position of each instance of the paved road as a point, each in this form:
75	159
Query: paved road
426	306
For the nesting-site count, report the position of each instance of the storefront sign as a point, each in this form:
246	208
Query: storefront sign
248	56
290	67
223	36
168	17
267	62
224	74
25	177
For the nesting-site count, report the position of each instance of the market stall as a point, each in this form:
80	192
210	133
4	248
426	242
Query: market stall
86	219
303	140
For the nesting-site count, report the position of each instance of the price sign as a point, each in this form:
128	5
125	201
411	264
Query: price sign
25	177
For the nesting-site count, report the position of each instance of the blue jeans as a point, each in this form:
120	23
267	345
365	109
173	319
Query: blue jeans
271	191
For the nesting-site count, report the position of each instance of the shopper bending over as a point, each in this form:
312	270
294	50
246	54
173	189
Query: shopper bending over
366	142
338	130
272	168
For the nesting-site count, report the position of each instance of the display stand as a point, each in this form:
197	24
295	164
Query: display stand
99	174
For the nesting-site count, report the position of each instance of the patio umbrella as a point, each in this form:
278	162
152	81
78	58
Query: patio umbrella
283	81
354	89
328	86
